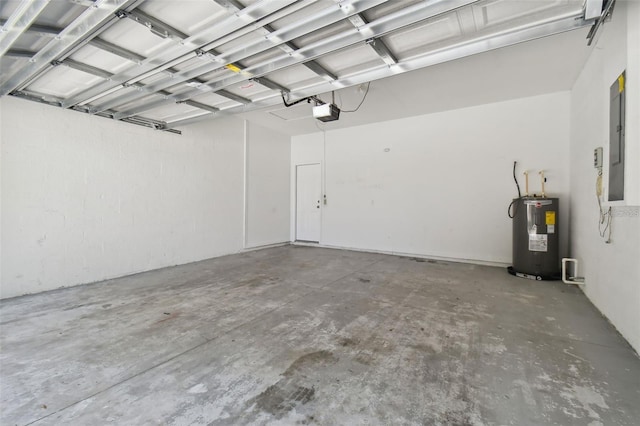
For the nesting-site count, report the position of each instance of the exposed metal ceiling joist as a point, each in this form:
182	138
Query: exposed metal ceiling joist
325	17
383	51
270	84
87	25
45	30
183	51
19	53
19	21
287	46
195	60
460	50
191	120
83	67
376	28
116	50
592	9
37	98
376	44
156	26
201	106
224	93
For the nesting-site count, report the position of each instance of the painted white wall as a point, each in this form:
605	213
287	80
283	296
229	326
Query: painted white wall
85	199
268	156
611	271
438	185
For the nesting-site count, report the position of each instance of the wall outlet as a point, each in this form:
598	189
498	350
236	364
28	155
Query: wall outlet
597	158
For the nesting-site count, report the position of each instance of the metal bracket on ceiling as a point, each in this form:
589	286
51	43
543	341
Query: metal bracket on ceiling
288	46
36	97
19	21
43	30
270	84
207	36
358	20
85	27
607	10
155	25
401	19
86	3
18	53
233	97
382	50
116	50
199	105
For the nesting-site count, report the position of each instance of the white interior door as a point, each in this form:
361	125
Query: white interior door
308	202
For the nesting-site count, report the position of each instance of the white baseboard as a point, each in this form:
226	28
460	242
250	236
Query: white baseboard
395	253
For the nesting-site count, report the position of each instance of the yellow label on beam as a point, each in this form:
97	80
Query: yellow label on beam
233	67
621	83
550	218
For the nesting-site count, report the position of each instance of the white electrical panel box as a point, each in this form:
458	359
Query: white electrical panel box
597	158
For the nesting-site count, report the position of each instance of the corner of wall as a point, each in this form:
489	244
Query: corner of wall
611	270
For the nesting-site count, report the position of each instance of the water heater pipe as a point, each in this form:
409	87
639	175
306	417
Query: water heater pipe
526	183
574	279
541	173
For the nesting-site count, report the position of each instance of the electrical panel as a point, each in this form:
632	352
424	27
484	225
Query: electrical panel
617	139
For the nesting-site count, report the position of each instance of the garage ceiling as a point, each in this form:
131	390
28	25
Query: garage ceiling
165	64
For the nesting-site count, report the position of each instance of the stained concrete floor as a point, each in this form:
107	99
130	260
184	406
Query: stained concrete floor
301	335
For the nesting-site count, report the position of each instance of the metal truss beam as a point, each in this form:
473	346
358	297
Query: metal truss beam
387	24
382	50
185	50
201	106
299	28
49	31
18	53
287	46
117	50
231	96
461	50
376	44
592	9
270	84
19	21
325	17
155	25
89	69
43	30
83	67
87	25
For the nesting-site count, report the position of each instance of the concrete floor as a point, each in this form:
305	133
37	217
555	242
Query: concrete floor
303	335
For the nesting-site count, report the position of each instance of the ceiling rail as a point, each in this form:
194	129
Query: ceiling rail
19	21
91	21
287	46
471	47
386	24
328	16
181	51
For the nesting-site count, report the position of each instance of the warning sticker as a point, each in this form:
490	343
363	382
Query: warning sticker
550	217
551	229
537	242
621	83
